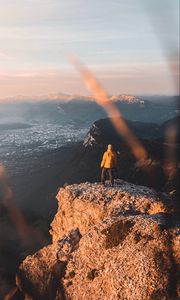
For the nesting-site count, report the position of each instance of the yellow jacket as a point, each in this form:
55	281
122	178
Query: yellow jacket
109	160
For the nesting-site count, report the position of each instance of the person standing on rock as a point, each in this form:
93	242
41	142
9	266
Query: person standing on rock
109	164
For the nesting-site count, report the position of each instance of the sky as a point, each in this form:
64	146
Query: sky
131	46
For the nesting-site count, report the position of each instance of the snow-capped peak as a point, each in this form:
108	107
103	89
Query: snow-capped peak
126	98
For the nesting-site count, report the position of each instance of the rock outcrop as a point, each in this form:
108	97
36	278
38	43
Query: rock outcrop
107	243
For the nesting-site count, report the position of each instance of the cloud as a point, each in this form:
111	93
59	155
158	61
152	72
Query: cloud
58	34
4	55
116	78
28	74
114	38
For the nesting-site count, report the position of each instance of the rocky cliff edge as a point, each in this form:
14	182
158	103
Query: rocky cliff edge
107	243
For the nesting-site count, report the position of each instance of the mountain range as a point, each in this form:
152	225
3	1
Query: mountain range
83	111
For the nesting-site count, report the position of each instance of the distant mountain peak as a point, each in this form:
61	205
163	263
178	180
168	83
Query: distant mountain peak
69	97
127	98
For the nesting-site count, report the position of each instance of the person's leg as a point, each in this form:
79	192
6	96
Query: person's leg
115	173
102	175
111	177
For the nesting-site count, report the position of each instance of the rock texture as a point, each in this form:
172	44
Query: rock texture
87	204
107	243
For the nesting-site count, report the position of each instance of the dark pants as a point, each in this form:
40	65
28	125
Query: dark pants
110	173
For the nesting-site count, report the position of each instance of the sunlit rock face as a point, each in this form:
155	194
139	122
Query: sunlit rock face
107	243
83	205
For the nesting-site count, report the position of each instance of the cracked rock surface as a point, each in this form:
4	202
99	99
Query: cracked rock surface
107	243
